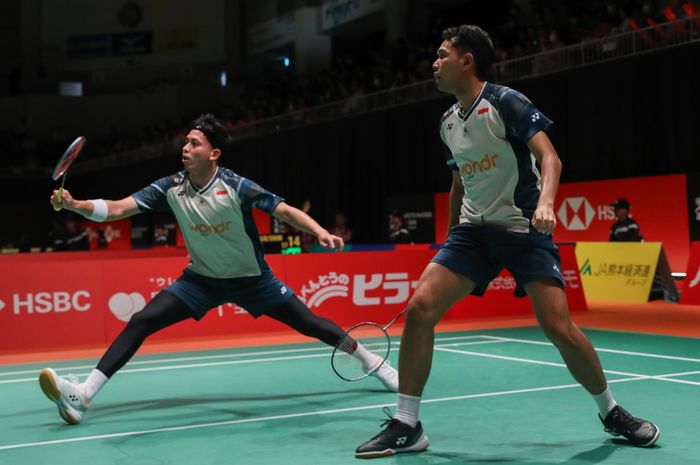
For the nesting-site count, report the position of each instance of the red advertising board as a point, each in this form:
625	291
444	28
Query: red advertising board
73	300
658	204
584	214
112	235
691	288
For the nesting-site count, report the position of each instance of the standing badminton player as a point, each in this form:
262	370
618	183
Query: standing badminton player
213	206
501	215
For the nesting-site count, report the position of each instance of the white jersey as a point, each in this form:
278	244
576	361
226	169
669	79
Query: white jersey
487	143
216	221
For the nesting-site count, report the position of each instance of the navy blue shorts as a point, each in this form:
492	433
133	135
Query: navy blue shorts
256	294
480	253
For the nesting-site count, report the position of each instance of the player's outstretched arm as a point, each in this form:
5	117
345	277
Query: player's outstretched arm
304	222
96	210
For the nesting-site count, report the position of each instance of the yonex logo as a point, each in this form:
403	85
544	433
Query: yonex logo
535	117
449	126
576	213
401	441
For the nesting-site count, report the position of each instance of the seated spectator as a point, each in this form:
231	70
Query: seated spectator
341	227
71	236
398	233
160	236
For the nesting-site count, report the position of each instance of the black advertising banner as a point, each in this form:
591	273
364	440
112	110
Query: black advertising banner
132	43
417	214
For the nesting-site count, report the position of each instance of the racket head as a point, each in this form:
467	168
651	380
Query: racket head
68	158
374	338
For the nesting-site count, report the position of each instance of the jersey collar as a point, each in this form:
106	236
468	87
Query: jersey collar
463	114
204	189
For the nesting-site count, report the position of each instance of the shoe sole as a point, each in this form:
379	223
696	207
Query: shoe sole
420	446
648	444
48	385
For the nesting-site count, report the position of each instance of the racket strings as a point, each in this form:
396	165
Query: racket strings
360	352
347	344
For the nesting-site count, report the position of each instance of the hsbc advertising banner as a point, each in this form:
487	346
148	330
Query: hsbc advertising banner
657	203
52	301
691	289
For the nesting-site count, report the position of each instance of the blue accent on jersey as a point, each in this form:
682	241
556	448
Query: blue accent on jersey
526	193
522	121
154	196
521	117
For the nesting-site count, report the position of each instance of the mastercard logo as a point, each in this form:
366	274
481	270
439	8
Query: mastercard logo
123	305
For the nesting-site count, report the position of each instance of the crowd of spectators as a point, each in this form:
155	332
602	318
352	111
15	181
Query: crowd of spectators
545	25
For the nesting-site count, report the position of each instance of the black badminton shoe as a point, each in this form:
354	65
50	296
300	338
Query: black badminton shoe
396	438
619	422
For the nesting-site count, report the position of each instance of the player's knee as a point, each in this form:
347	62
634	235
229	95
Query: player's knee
421	313
562	336
139	324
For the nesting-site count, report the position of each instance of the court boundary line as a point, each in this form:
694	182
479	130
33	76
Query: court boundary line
212	364
666	377
216	356
294	415
613	351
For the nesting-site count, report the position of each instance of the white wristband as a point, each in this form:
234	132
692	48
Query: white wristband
100	210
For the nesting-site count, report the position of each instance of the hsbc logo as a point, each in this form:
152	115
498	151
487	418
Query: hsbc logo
576	213
48	302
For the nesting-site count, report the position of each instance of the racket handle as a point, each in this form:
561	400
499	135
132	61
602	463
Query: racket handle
59	197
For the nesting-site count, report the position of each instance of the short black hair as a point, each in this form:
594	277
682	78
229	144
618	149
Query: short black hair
216	131
473	39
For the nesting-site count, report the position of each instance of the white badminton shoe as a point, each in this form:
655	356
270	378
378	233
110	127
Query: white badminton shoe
66	394
388	376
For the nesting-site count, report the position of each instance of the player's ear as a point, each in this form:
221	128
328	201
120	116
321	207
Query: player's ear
215	154
467	60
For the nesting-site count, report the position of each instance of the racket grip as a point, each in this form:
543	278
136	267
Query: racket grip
59	197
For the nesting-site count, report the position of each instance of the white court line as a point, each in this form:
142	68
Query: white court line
612	351
561	365
213	357
292	415
230	362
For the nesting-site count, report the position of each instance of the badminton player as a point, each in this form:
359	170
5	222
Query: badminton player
213	206
501	215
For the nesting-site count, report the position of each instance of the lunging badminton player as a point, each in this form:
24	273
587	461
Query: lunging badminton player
501	215
213	206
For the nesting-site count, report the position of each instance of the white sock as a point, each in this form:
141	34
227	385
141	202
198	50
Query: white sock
407	409
94	383
368	359
605	402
